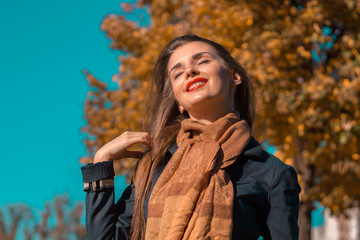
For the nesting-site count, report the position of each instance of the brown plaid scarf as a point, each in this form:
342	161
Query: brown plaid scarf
193	197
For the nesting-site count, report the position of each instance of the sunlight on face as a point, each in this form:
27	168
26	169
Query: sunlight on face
201	82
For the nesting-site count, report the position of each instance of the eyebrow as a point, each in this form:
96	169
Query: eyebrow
196	55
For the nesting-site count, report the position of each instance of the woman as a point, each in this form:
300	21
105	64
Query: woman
205	176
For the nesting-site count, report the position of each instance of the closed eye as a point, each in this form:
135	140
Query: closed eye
205	61
177	75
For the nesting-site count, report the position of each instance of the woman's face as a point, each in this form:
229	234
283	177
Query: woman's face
200	81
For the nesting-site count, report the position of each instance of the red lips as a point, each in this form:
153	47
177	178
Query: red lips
195	80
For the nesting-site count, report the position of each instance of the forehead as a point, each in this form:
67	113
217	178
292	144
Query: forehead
188	50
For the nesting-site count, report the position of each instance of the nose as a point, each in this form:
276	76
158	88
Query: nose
191	71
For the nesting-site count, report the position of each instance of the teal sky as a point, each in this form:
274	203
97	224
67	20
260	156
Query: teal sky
44	46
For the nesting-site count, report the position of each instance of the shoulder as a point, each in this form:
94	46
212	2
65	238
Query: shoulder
257	165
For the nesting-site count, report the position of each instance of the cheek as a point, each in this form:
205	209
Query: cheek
224	78
176	90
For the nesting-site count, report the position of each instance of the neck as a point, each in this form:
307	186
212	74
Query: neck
208	117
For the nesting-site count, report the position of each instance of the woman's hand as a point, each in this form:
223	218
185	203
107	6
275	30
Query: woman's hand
117	148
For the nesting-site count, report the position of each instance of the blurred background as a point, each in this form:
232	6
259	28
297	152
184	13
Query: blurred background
74	75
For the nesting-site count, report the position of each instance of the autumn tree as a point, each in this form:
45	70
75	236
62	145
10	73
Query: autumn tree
16	214
303	59
68	222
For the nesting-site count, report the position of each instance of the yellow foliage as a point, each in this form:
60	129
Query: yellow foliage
304	108
356	156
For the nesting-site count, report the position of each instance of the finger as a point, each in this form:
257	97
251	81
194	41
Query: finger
147	141
139	137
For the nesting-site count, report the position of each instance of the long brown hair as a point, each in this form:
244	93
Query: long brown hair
163	119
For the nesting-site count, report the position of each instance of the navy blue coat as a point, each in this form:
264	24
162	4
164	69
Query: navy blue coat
266	202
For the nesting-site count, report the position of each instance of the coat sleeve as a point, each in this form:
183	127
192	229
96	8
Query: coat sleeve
106	219
283	210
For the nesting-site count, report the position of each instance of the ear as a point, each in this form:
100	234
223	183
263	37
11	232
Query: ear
236	79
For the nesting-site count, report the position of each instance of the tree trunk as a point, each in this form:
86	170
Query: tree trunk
307	172
305	221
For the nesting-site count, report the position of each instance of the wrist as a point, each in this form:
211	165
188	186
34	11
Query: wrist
101	157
